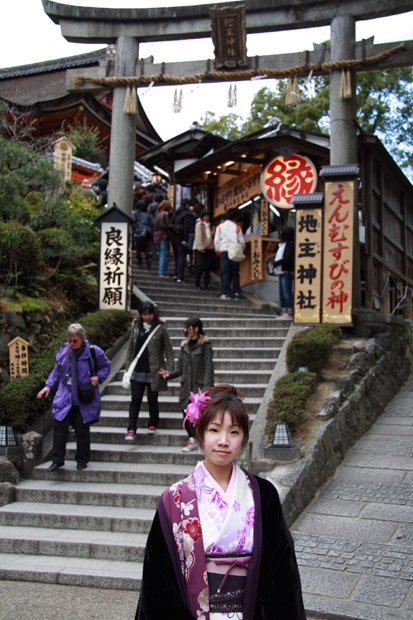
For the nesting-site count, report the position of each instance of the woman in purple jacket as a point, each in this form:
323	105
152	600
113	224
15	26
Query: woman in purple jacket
77	364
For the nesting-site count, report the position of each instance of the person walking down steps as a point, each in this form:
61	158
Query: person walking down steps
78	370
150	341
196	367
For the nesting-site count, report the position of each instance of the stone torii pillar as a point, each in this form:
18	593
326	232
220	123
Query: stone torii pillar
123	130
126	28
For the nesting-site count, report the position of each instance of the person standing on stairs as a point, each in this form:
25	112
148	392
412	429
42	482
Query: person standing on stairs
157	354
78	366
196	367
284	268
219	546
227	233
204	250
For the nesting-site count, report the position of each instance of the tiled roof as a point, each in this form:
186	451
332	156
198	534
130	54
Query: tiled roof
59	64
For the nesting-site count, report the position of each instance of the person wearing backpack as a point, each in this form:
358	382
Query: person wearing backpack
178	233
142	234
78	366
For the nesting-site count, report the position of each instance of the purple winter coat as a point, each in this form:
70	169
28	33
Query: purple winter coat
62	401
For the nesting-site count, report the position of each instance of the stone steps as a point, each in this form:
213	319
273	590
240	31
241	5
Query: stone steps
89	527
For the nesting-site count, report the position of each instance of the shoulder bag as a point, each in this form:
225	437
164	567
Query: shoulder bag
128	373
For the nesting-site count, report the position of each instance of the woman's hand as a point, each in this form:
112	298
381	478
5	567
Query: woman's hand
44	392
164	373
94	380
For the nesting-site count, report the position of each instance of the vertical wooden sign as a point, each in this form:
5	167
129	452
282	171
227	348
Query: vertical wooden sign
18	358
308	262
338	242
256	259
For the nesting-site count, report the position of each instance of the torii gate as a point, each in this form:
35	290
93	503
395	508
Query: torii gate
126	28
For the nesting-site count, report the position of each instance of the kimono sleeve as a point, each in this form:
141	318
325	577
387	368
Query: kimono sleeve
280	593
160	596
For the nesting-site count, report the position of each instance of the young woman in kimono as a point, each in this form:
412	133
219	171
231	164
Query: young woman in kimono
219	546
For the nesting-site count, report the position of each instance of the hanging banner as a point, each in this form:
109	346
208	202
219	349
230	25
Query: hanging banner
339	199
307	265
284	177
265	228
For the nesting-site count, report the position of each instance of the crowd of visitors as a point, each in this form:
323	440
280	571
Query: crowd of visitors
187	237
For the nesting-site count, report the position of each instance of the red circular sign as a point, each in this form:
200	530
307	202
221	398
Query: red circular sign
285	176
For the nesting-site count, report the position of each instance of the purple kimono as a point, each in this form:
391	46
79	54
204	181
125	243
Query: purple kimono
60	380
250	572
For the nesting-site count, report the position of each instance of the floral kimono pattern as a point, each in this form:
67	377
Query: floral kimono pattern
214	534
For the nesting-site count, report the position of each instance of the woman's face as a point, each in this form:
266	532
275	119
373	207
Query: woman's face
148	317
75	341
222	442
191	332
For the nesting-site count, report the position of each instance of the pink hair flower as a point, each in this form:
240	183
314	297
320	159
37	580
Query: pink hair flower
196	405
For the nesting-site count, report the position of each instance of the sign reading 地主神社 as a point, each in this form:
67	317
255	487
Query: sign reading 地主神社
284	177
308	252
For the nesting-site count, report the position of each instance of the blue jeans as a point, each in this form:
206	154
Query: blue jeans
229	276
285	281
163	257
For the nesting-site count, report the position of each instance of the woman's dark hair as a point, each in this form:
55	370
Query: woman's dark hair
194	322
224	398
204	212
147	307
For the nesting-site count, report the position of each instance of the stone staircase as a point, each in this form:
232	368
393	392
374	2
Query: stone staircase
89	527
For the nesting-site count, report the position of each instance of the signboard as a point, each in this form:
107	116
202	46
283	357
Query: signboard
113	279
229	36
339	198
19	358
234	193
265	228
285	176
307	265
62	157
256	258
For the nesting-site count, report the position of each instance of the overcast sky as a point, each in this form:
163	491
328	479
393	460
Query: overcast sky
27	36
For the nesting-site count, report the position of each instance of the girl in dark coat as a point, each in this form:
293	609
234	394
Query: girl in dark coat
219	546
196	367
156	355
75	364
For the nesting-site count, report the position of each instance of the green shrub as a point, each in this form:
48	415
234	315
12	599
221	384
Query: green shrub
312	347
289	398
20	254
19	404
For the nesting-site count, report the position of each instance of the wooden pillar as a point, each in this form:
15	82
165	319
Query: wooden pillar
123	131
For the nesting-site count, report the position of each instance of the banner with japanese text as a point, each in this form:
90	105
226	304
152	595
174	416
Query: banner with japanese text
339	197
256	259
113	277
307	280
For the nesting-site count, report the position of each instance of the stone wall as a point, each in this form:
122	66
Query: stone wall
375	375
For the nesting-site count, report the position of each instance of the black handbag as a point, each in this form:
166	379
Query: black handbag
86	392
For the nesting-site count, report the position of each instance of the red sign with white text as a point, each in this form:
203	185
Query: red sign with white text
284	177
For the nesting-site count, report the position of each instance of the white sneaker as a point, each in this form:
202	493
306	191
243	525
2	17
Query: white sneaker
225	297
191	445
